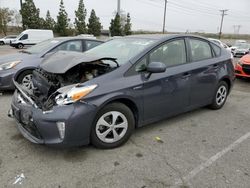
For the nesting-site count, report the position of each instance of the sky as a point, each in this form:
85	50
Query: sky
182	15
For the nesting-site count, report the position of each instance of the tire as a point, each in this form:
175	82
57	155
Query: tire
20	46
104	123
220	96
1	43
23	79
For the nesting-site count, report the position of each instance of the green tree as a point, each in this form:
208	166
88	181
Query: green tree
115	26
49	22
30	15
94	25
81	13
127	26
62	21
5	18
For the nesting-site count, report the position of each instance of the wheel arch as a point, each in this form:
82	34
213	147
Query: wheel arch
23	70
228	81
130	103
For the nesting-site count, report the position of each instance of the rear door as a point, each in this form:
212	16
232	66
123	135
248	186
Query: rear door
205	67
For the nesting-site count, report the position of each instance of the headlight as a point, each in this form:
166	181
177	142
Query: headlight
9	65
75	94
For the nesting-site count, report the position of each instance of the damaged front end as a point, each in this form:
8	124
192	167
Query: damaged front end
54	112
63	71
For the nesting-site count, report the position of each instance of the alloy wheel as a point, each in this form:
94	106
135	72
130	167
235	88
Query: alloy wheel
111	127
27	82
221	95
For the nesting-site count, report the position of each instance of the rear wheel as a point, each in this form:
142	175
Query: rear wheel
220	96
25	79
1	43
113	126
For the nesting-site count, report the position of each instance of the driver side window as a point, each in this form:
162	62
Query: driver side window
171	54
24	37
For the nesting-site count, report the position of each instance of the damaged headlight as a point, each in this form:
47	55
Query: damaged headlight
74	94
9	65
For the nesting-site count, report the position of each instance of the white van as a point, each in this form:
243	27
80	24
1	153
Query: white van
31	37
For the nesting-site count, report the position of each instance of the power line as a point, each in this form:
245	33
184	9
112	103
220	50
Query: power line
223	13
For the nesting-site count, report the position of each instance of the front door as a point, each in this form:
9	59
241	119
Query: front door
167	93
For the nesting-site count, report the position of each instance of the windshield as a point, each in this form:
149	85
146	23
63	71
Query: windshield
122	49
42	46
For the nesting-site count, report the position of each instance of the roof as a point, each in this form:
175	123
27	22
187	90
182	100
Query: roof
76	37
159	37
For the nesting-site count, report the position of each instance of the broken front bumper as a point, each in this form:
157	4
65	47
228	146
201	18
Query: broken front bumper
41	127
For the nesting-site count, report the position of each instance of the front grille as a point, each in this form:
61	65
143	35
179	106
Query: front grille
246	69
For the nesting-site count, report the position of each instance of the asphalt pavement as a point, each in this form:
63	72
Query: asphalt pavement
199	149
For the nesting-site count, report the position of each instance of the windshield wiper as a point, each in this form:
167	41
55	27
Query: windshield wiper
26	52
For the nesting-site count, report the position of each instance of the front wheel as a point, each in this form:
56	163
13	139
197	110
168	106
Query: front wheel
1	43
113	126
20	46
220	96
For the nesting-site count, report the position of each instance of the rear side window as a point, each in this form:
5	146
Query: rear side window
171	54
200	50
217	49
91	44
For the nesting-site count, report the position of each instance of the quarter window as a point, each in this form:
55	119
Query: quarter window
217	49
200	50
171	54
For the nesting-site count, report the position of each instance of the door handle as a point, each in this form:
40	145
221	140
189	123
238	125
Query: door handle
186	75
137	87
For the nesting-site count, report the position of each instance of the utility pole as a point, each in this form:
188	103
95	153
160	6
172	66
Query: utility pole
119	7
223	13
164	19
21	6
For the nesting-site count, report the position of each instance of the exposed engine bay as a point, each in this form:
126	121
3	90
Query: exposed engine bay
46	84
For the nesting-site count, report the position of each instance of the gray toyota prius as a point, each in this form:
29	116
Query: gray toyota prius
101	96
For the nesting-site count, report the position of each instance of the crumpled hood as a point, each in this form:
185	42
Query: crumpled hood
61	61
15	57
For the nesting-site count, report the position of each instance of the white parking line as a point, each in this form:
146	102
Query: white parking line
211	160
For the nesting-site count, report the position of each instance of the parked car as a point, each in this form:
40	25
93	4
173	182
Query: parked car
222	44
7	39
102	95
242	68
237	44
31	37
241	50
21	65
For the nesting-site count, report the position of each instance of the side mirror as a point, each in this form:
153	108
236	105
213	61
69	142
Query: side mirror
156	67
